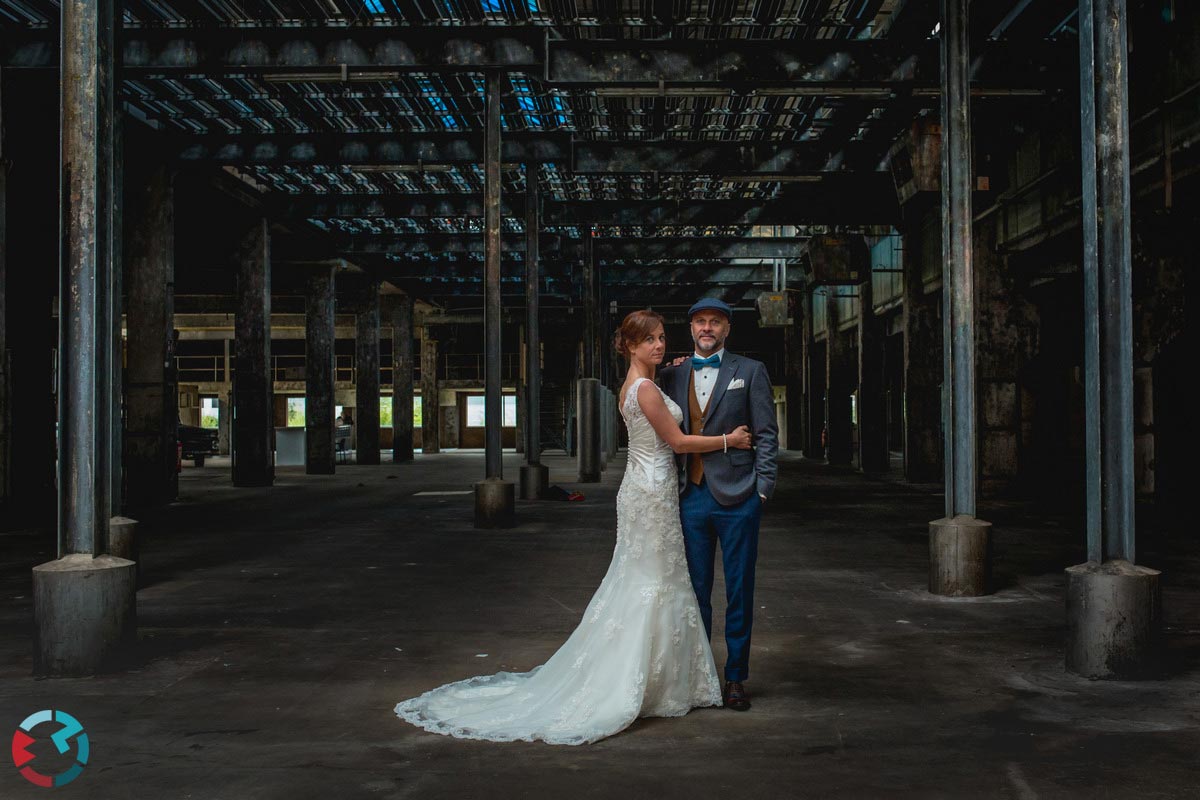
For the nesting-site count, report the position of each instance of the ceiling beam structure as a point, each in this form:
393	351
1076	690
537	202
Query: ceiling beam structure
365	150
791	67
388	206
831	198
637	250
346	53
756	117
335	53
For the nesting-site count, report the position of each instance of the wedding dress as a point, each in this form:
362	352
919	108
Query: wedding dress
640	650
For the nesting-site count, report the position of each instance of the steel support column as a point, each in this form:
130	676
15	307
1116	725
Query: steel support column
959	544
814	381
793	354
319	389
1113	282
85	332
591	307
587	424
366	388
493	409
5	370
838	370
430	411
151	399
85	600
872	404
494	497
401	320
116	425
1114	607
1089	218
253	381
958	300
535	477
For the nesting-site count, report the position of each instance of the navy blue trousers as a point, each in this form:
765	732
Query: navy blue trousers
706	522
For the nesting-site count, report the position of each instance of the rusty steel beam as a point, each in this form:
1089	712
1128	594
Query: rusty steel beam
636	250
826	67
641	250
393	206
645	63
852	198
614	275
334	53
371	150
761	160
835	198
296	248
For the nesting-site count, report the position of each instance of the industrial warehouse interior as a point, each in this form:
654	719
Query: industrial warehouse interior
313	402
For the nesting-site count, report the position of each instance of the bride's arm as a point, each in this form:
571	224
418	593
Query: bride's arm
668	430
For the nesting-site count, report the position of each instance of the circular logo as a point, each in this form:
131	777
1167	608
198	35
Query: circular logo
71	729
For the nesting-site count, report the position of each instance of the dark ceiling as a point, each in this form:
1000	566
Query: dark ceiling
360	121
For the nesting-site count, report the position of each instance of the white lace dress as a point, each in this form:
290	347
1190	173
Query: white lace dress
640	650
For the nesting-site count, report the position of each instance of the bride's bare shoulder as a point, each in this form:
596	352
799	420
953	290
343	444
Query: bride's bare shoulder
647	391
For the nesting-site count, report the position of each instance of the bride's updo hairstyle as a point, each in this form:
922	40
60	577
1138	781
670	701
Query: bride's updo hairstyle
634	330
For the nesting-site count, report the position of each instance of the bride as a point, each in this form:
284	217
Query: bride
640	649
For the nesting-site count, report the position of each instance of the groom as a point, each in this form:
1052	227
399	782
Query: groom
722	493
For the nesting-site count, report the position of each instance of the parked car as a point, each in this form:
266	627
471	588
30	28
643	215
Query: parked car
197	443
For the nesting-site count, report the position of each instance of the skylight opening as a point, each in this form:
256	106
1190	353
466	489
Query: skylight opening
506	7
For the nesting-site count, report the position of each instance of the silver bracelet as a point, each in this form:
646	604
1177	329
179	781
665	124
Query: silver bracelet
724	443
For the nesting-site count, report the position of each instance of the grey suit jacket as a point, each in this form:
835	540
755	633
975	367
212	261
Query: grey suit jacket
732	476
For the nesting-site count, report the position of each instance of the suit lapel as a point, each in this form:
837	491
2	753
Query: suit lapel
726	373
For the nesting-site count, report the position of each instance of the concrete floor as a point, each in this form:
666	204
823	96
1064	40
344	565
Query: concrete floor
279	627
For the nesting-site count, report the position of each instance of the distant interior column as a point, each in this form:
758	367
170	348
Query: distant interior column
366	348
254	385
151	400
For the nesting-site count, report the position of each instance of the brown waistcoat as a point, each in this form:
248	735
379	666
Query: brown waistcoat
695	460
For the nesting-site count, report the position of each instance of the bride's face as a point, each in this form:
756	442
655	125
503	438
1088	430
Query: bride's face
651	349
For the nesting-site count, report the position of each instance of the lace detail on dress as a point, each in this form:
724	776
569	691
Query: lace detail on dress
639	650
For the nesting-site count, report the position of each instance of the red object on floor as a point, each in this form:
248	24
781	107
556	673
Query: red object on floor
575	496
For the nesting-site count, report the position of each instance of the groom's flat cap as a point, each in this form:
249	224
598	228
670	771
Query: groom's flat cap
711	304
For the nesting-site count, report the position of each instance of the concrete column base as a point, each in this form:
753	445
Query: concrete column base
495	501
84	614
123	543
960	556
535	480
1114	620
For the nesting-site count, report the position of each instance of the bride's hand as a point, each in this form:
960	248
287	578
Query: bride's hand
679	361
739	438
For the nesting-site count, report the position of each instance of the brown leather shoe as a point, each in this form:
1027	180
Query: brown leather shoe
735	696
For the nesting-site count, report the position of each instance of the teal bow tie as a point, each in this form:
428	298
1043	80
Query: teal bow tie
712	361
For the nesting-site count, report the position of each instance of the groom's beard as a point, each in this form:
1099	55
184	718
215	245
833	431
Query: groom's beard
718	344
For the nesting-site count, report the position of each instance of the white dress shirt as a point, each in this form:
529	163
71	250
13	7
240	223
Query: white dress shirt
705	380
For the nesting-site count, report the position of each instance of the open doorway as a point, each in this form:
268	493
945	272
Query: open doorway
471	412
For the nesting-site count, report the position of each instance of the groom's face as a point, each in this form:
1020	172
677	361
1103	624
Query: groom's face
709	331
